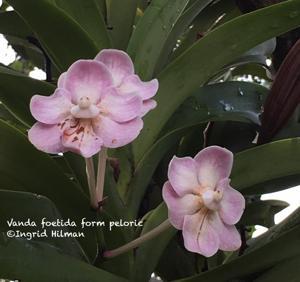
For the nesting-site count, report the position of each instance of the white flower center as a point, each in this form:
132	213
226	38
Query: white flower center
211	198
85	109
84	102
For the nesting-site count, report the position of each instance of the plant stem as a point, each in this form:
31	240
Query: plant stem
101	175
90	172
135	243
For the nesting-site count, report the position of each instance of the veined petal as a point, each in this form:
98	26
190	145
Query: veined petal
118	63
199	236
78	136
116	134
147	106
87	78
229	237
182	175
178	207
214	163
121	108
51	109
232	204
46	138
145	89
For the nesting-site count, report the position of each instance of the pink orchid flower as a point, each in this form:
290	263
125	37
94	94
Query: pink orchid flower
97	103
201	202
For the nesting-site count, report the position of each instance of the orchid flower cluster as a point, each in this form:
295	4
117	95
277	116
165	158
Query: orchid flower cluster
99	104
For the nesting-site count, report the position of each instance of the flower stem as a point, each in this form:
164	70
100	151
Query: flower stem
101	174
137	242
90	172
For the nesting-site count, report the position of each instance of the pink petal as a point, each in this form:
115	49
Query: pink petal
51	109
79	137
230	239
61	80
182	175
116	134
178	207
199	236
147	106
87	78
118	63
214	164
232	204
144	89
121	108
46	138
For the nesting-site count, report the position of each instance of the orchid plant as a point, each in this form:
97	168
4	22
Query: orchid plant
146	149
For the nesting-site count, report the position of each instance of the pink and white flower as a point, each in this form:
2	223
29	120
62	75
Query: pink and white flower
201	202
97	103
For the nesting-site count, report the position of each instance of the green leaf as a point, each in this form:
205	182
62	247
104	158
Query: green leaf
266	168
23	168
32	261
193	9
21	206
16	91
218	48
235	101
273	247
64	40
151	250
284	271
157	23
262	212
12	24
120	20
88	15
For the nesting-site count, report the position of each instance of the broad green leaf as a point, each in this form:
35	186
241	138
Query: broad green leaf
223	102
12	24
218	48
262	212
273	247
182	25
157	23
21	206
35	261
151	250
266	168
24	168
176	262
16	91
88	15
64	40
284	271
120	21
236	101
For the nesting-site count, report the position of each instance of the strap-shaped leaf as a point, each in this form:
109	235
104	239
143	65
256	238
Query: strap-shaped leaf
207	56
151	250
88	15
270	167
120	20
34	261
157	23
64	40
16	91
21	206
